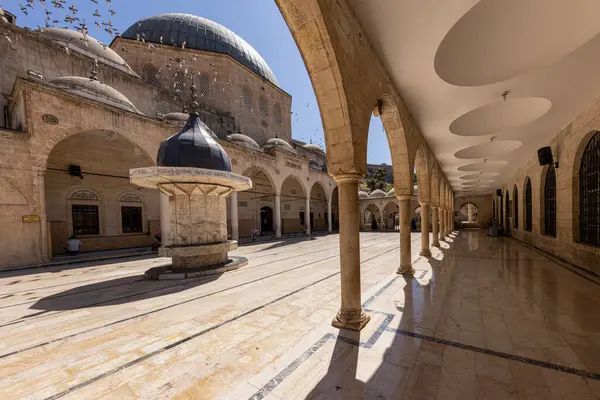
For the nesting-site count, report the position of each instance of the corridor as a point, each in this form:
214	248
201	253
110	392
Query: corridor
483	318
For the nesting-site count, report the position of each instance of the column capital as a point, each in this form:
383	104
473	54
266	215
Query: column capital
342	179
403	197
424	203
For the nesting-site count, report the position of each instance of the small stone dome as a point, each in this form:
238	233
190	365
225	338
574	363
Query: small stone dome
363	195
243	140
86	45
313	147
176	118
94	90
194	146
377	193
391	193
280	144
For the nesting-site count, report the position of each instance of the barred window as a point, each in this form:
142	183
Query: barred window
151	74
204	85
178	81
86	219
263	106
516	207
277	114
550	202
528	206
589	193
247	97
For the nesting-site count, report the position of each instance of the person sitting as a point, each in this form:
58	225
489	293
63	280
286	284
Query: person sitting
73	246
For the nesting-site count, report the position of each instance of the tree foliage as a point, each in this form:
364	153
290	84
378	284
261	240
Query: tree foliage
376	181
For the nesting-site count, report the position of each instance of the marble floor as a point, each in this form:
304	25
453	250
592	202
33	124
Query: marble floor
484	318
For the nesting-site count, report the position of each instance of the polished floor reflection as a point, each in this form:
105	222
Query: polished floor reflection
483	318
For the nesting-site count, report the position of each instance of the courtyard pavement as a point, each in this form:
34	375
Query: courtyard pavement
484	318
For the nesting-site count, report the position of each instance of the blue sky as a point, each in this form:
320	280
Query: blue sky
259	22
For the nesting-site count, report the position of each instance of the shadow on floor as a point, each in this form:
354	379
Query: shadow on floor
117	291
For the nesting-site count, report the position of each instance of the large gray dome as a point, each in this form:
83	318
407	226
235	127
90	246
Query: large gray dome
199	34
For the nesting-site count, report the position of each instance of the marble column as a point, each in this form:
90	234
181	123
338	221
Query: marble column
235	226
351	315
435	226
442	227
165	221
404	210
307	216
329	217
425	230
277	216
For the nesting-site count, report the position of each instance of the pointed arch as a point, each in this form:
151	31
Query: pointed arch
421	163
528	205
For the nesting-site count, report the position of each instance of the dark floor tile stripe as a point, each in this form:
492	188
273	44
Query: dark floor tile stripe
508	356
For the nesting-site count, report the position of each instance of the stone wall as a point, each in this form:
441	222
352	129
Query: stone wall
226	80
484	208
567	147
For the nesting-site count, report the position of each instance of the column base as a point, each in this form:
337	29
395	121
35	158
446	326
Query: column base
405	271
436	244
353	320
425	253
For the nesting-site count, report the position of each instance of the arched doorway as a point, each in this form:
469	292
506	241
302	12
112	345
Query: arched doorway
266	220
335	224
293	206
252	202
469	214
372	217
88	193
318	208
391	216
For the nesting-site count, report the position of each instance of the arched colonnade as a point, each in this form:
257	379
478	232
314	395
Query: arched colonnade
350	84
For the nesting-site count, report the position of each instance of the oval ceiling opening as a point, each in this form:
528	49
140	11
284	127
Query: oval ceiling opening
497	40
500	116
484	166
490	149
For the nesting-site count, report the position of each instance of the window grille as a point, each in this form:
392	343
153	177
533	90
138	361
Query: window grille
247	97
528	207
204	85
263	106
589	193
86	219
179	81
151	74
550	202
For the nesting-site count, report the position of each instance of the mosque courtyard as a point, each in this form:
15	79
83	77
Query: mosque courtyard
484	318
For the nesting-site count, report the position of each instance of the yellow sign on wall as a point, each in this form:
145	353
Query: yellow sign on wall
30	219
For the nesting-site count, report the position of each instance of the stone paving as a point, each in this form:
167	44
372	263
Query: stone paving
483	318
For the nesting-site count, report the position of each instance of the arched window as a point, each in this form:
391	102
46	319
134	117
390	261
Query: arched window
528	206
550	202
277	114
85	213
589	192
131	213
247	97
263	106
151	74
179	81
204	85
515	202
507	209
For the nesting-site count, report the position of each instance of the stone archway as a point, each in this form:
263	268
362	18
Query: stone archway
251	202
391	216
86	177
293	206
318	208
372	213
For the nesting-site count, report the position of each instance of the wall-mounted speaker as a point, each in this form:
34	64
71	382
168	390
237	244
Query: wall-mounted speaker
75	170
545	156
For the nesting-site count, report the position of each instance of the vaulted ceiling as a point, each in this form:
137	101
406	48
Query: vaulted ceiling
488	81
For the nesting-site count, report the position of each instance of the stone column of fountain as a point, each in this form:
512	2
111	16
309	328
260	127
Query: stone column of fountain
194	171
